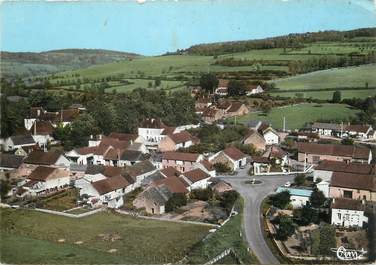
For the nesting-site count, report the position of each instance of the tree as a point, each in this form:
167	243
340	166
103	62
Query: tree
222	168
285	228
336	96
209	82
236	88
266	107
201	194
299	179
175	201
317	198
157	82
306	215
347	141
281	199
4	187
228	198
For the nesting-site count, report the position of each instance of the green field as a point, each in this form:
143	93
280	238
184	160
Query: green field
32	237
298	115
333	78
328	95
176	70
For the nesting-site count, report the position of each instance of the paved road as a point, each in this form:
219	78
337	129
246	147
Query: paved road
253	196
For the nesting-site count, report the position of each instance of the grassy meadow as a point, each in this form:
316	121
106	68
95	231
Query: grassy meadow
32	237
176	70
332	78
298	115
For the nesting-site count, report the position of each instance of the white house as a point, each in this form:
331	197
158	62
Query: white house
299	196
81	156
153	131
348	213
231	156
44	180
253	90
270	136
107	191
195	179
14	142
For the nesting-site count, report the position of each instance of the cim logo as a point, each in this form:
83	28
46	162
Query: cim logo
349	254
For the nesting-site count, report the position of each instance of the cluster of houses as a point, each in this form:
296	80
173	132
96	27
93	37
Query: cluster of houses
112	166
344	174
357	131
222	89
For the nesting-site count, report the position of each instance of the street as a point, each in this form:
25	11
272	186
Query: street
253	196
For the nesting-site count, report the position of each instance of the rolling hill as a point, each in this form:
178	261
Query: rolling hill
25	64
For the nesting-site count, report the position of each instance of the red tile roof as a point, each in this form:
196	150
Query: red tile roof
110	184
41	173
181	137
338	166
180	156
234	153
208	165
170	172
357	128
42	128
174	184
334	150
353	181
235	106
347	204
123	136
42	158
196	175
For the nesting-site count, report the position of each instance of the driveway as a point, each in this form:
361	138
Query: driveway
253	196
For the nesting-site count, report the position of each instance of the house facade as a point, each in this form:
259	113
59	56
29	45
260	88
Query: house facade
181	161
348	213
313	153
255	139
231	157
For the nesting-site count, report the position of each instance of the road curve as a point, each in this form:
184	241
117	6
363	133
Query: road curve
253	196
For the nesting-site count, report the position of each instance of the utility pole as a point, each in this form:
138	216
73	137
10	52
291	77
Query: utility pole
284	124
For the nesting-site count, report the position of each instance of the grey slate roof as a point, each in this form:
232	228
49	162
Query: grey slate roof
132	155
10	161
22	139
159	195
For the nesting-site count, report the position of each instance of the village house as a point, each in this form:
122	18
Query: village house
136	142
153	199
202	103
181	161
82	156
232	108
211	115
353	186
26	150
50	158
12	143
299	196
313	153
253	90
63	117
276	154
136	173
44	180
107	191
255	139
360	131
173	142
42	132
10	162
153	131
260	164
348	213
208	167
270	136
195	179
220	186
222	89
231	157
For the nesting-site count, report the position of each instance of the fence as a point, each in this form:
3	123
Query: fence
70	214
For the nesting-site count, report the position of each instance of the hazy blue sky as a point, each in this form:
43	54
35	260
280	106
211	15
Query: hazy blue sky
159	26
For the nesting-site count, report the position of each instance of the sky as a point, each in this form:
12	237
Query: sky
155	27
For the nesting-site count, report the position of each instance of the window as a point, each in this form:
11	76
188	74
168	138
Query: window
315	159
347	194
339	216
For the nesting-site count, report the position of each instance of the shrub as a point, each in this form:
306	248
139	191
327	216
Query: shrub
280	200
227	199
285	229
299	179
201	194
317	198
177	200
222	168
